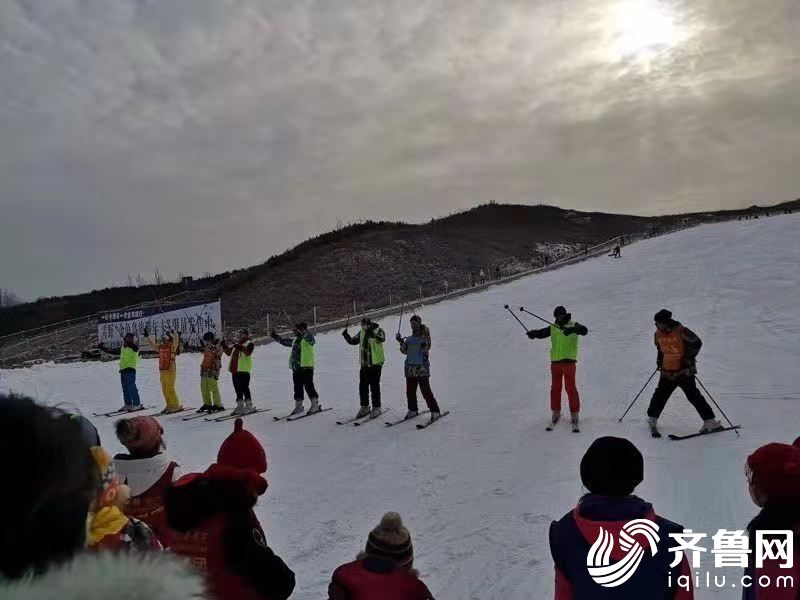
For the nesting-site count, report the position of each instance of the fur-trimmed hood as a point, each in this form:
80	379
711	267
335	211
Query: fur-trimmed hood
110	576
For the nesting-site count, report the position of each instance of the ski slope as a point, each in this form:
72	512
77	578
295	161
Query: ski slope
480	488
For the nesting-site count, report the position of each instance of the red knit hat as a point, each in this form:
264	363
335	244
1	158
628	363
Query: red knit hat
241	457
774	470
140	434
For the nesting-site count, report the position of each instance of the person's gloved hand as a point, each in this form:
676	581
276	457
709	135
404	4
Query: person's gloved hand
532	334
398	337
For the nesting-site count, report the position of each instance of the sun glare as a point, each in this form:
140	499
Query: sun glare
640	30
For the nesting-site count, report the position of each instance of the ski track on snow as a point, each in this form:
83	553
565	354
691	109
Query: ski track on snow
479	489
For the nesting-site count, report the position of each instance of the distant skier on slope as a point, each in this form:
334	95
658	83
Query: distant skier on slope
301	362
370	350
617	252
416	347
677	347
241	366
167	349
128	362
564	345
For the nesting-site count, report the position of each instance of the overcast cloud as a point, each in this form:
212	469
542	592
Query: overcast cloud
202	135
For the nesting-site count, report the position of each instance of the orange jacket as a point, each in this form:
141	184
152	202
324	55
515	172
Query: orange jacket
166	352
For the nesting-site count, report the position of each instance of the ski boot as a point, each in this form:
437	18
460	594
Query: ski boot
411	414
362	412
125	408
239	410
172	411
375	412
652	422
248	407
576	427
710	426
298	407
205	408
435	416
135	407
315	407
216	409
555	418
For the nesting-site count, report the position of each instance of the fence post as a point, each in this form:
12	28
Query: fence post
354	308
390	299
268	327
315	316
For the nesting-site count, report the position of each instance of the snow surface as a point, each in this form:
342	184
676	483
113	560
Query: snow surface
480	489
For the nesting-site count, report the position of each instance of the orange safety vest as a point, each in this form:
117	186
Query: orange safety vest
166	357
672	348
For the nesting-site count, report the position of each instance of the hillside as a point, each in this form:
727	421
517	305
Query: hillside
480	489
367	262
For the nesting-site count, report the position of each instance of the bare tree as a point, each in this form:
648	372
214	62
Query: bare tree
9	298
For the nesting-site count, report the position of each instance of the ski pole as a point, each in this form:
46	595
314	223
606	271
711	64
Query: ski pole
639	394
400	322
517	318
717	405
522	309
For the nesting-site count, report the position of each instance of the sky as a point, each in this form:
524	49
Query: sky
197	136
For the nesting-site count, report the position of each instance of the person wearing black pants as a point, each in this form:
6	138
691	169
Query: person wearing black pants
678	347
371	357
301	362
240	367
369	382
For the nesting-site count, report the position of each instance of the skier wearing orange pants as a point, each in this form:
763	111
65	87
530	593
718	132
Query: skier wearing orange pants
564	345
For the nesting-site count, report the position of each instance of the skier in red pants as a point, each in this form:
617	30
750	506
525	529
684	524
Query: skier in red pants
564	345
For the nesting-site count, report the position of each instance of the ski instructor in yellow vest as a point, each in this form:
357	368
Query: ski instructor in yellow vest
301	362
564	343
371	358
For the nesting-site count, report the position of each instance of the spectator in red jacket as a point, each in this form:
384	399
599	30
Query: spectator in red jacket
147	471
384	570
773	474
611	469
223	537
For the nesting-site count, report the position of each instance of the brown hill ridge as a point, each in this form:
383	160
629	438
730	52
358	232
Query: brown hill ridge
367	262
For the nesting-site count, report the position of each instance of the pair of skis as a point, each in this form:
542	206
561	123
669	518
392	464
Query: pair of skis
657	434
297	416
419	425
357	421
115	413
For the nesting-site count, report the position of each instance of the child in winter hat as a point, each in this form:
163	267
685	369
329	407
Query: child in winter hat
142	436
391	541
773	472
213	510
384	569
612	466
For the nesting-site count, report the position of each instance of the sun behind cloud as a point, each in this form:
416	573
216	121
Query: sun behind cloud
639	31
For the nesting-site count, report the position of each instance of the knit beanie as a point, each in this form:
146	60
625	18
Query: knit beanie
560	311
612	467
141	435
391	541
663	316
774	470
241	457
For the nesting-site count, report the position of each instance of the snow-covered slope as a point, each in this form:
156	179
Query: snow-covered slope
480	488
